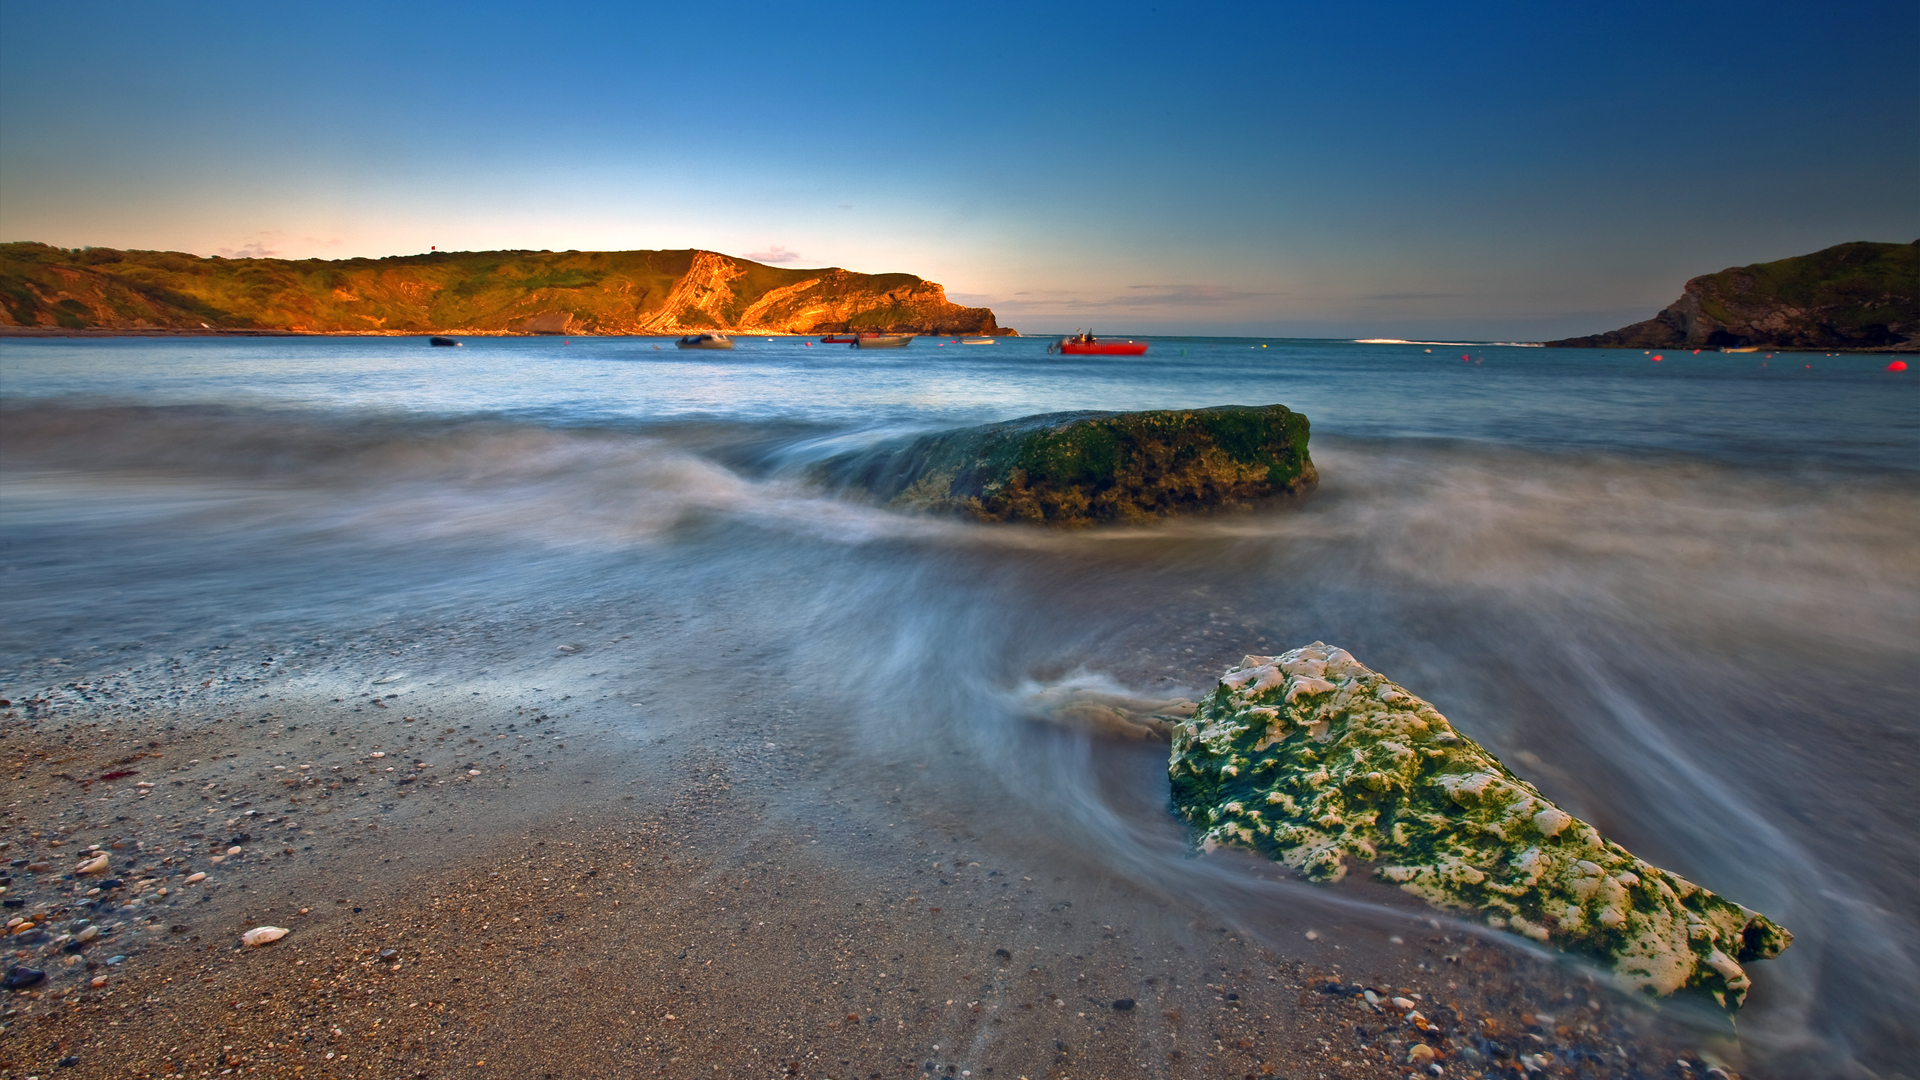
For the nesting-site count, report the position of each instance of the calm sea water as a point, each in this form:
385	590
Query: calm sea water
1678	595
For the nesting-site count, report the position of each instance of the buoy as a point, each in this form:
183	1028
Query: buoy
1897	365
1656	359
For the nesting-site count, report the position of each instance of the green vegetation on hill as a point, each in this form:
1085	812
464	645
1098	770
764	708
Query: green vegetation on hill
1849	296
578	292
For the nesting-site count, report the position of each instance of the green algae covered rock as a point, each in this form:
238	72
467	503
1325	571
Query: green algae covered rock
1315	760
1085	468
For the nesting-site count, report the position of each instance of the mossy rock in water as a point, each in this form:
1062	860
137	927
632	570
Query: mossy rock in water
1314	760
1084	468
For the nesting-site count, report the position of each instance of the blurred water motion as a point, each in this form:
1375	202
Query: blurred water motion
1682	604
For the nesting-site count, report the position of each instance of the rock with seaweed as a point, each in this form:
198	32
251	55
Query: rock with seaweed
1085	468
1317	761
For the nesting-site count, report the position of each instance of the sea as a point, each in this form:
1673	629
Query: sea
1679	592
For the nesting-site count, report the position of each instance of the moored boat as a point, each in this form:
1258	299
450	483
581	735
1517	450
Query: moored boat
840	339
444	342
705	341
883	341
1085	344
976	341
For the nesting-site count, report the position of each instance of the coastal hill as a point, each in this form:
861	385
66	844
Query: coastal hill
1849	296
469	292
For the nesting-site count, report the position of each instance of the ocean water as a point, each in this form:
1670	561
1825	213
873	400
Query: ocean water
1681	596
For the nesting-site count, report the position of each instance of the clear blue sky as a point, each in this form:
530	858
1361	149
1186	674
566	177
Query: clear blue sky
1407	169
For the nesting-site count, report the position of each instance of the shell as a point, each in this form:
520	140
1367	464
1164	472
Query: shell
96	865
261	935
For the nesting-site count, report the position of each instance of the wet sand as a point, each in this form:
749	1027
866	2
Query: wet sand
517	887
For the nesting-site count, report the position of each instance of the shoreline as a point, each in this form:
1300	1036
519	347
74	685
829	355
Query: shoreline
714	909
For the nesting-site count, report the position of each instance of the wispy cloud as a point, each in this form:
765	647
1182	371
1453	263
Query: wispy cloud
1413	296
774	254
1138	296
1181	296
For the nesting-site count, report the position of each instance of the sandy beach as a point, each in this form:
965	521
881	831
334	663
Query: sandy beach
505	888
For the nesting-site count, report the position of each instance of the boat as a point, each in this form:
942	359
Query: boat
705	341
976	341
1085	344
443	342
840	339
883	341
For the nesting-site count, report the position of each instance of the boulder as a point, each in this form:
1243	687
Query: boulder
1084	468
1318	762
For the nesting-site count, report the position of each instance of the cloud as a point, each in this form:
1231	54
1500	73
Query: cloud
1413	296
1182	295
265	245
1139	296
774	254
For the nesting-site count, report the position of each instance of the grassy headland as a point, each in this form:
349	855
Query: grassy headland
475	292
1849	296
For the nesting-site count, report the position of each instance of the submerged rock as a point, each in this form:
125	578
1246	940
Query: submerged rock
1314	760
1086	467
1094	711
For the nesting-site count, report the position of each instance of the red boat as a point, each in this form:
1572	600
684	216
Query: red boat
1085	344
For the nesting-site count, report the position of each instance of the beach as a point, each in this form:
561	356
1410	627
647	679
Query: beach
575	637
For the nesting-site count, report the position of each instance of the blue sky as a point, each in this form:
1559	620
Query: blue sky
1490	170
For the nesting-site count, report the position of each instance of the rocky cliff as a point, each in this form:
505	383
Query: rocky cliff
477	292
1850	296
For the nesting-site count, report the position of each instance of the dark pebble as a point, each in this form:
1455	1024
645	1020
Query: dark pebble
70	1061
1123	1004
1003	954
22	977
112	883
240	838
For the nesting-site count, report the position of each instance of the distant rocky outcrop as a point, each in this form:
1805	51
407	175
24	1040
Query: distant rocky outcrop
1850	296
470	293
1086	468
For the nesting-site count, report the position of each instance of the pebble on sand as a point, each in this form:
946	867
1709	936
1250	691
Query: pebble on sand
262	935
96	865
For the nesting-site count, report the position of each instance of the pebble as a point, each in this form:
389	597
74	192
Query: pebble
20	978
96	865
1420	1054
196	877
1123	1004
87	934
261	935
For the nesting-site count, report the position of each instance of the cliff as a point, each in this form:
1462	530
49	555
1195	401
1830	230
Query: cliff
469	292
1850	296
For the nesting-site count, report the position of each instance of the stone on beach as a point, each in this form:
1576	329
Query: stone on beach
1099	712
263	935
1314	759
1084	468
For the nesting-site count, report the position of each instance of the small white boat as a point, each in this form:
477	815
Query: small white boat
976	341
705	341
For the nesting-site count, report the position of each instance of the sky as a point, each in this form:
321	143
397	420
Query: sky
1495	171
